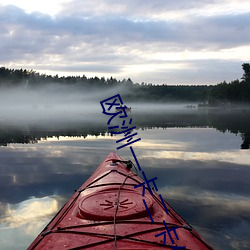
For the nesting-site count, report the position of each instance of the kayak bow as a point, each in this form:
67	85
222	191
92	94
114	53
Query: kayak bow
108	212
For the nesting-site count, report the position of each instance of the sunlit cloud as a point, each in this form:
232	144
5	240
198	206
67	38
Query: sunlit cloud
224	54
45	6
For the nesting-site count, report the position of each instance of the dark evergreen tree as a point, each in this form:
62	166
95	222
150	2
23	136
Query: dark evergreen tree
246	69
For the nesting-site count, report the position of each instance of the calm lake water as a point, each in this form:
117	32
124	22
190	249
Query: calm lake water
201	159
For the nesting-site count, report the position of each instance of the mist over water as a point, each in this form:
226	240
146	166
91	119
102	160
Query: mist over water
56	102
64	103
195	153
59	107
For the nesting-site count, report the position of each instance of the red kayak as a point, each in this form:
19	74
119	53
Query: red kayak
108	212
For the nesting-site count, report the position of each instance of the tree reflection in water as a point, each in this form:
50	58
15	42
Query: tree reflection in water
233	121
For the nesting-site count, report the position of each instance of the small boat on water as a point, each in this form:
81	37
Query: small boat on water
127	109
108	212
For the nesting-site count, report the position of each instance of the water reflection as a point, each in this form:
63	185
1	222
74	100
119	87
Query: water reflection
233	121
20	222
201	172
29	210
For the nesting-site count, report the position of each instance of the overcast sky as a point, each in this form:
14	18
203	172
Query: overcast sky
157	41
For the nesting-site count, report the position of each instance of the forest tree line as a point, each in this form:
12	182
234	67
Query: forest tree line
236	91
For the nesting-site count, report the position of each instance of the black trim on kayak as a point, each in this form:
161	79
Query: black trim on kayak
106	174
108	184
118	237
118	222
56	229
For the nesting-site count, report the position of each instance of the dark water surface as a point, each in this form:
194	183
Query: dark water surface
196	155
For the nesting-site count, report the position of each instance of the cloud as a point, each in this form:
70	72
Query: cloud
116	30
148	10
124	40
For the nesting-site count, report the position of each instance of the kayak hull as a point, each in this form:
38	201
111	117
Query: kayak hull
108	212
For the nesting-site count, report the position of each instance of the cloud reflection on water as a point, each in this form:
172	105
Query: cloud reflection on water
22	222
29	210
226	216
234	156
205	180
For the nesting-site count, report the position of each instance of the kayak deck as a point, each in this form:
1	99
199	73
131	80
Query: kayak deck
108	212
